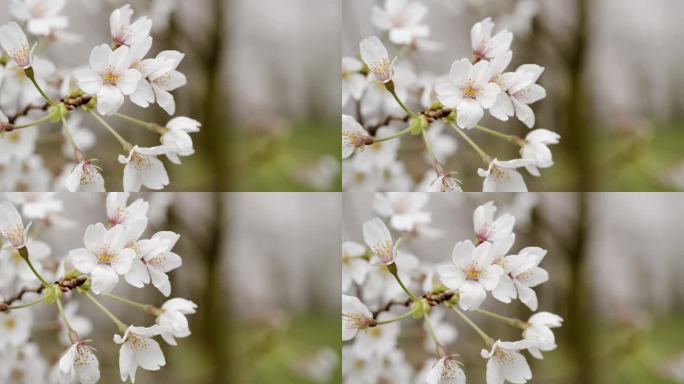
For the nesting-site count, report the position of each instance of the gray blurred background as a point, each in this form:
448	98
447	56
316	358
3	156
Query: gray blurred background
616	265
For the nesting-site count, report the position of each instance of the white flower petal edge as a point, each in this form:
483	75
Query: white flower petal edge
139	349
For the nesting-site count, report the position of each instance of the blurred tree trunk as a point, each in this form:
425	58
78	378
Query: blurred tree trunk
579	134
215	109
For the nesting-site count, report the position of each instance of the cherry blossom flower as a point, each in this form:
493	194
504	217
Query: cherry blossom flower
354	267
11	226
445	183
104	256
472	273
144	169
109	77
353	136
446	371
503	177
158	78
79	364
36	205
42	16
85	177
486	47
506	363
540	334
375	55
14	270
402	20
14	42
536	149
526	274
176	137
15	328
405	210
125	33
353	81
355	317
154	260
524	91
469	90
379	239
139	349
118	212
381	340
487	228
173	321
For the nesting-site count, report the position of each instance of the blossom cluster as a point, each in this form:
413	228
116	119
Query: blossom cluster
37	94
383	276
31	274
394	100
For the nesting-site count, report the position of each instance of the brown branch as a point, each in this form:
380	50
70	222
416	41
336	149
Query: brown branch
65	285
430	113
433	299
71	103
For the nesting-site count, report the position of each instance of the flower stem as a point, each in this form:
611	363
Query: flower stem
400	134
393	270
433	335
395	319
485	157
31	124
149	126
126	145
428	146
510	138
63	315
31	75
488	340
30	303
23	252
145	307
403	106
510	321
122	327
69	135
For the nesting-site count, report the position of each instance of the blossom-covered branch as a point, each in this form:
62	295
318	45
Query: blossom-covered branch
116	69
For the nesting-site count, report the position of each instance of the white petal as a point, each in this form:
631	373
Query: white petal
471	295
109	100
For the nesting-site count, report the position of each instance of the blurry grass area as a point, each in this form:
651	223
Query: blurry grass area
259	353
623	355
277	354
280	160
625	162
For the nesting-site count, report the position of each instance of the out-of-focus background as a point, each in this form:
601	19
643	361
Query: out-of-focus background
263	271
613	75
259	80
616	263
